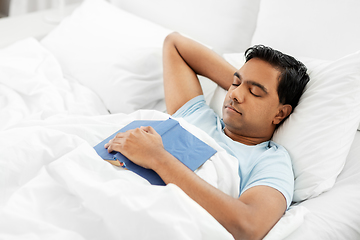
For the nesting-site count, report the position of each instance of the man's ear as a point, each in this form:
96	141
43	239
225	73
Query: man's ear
283	112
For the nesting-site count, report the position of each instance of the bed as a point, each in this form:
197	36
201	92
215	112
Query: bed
66	90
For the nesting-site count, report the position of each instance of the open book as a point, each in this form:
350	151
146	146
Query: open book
178	141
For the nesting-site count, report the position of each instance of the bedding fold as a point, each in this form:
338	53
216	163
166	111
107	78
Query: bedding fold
53	185
54	180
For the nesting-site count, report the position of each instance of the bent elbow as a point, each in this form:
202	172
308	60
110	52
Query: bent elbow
169	39
248	231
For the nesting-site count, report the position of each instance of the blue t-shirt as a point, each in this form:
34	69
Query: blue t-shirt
266	164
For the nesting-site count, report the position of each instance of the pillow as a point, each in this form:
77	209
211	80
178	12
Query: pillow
320	131
116	54
317	29
227	26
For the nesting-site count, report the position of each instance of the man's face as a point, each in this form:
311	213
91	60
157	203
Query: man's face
252	102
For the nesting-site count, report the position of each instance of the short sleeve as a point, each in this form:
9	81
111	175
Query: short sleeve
198	113
190	107
273	169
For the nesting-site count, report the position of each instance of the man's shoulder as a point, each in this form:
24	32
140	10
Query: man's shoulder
196	111
277	147
199	114
193	105
275	153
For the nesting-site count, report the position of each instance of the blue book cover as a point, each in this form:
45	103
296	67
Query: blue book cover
182	144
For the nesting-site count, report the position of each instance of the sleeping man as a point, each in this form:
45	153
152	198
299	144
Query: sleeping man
261	94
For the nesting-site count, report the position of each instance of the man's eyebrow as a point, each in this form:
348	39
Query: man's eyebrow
262	87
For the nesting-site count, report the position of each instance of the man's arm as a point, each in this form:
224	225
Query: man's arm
250	216
183	60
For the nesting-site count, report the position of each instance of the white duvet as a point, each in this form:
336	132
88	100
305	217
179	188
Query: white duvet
53	185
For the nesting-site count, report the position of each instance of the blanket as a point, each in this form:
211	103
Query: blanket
53	184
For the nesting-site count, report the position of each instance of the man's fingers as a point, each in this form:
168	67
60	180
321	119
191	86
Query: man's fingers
149	129
113	147
120	134
125	139
108	144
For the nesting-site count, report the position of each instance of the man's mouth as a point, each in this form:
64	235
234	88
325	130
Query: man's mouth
233	109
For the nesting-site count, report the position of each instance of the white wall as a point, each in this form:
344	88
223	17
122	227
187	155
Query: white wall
19	7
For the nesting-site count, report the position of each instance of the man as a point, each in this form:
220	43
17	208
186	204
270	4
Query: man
260	96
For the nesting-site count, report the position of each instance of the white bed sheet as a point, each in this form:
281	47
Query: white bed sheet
53	185
32	86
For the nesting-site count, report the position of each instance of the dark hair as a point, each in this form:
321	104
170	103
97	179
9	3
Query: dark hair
293	77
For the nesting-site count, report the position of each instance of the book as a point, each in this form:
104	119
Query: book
182	144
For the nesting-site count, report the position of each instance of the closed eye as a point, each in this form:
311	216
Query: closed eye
237	80
254	94
255	88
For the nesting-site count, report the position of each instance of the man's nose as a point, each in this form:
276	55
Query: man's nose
238	94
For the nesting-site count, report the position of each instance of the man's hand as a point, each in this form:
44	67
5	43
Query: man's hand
141	145
250	216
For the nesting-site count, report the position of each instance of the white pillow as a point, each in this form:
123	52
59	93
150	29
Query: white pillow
317	29
116	54
227	26
319	133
